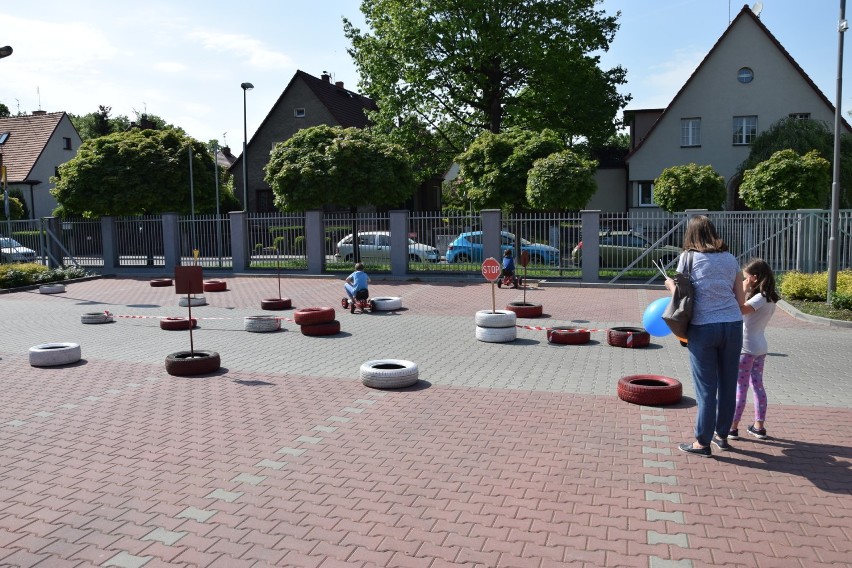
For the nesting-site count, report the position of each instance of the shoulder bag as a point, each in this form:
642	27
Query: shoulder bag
678	314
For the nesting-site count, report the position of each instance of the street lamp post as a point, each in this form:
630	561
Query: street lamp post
245	87
833	248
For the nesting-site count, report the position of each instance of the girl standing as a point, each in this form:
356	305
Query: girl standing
761	298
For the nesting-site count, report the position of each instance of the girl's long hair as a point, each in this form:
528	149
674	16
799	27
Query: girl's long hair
765	279
701	236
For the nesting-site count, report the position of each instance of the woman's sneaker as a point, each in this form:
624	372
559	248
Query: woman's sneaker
734	435
759	433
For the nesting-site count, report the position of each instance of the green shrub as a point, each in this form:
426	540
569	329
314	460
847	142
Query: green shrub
298	245
813	287
278	244
841	301
16	275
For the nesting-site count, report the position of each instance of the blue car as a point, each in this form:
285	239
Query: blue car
467	247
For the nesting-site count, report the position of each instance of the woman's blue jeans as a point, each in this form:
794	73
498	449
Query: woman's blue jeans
714	354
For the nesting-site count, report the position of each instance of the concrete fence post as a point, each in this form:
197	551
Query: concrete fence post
110	250
315	241
492	226
240	255
399	242
171	241
590	236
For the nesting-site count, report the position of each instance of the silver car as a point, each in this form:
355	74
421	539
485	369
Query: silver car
13	251
375	246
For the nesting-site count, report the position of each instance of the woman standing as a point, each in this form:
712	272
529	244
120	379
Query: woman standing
715	334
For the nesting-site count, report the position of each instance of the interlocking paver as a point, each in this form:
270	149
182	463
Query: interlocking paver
514	454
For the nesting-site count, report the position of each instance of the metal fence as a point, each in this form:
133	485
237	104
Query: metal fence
628	242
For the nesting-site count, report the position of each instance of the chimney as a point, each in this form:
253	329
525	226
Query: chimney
326	77
39	112
338	84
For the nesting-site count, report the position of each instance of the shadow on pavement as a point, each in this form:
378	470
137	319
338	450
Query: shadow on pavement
827	466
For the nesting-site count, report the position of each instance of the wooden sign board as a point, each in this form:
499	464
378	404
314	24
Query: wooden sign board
189	280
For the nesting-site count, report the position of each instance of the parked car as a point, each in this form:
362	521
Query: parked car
375	246
620	248
13	251
467	247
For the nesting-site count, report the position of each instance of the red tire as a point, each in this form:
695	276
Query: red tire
276	304
310	316
326	328
215	286
650	390
177	323
568	336
160	282
628	337
525	309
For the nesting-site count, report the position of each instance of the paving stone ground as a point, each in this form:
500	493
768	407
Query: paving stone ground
502	455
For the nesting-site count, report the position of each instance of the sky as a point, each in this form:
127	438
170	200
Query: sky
185	60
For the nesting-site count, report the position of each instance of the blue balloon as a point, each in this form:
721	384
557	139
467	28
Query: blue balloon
652	319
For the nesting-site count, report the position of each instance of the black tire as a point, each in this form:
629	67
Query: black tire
499	282
462	258
160	282
372	305
650	390
344	303
326	328
352	307
628	337
188	363
276	304
348	258
177	323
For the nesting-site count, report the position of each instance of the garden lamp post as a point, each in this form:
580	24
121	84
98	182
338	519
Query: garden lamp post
245	87
833	247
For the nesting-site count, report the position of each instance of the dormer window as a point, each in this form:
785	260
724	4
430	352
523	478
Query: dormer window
299	112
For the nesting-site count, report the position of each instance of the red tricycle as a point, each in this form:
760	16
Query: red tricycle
510	280
361	302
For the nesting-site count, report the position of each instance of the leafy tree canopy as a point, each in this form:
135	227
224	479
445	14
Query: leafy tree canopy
788	181
560	181
493	170
477	64
4	111
136	172
350	167
16	209
689	187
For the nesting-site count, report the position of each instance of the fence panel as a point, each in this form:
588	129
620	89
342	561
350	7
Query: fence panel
28	234
373	236
139	241
437	229
277	241
83	240
548	238
210	235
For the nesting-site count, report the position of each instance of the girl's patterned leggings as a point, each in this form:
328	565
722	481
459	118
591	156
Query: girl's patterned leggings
751	371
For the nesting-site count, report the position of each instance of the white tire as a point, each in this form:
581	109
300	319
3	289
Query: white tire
261	324
496	334
197	301
498	319
52	354
51	288
389	373
388	304
95	317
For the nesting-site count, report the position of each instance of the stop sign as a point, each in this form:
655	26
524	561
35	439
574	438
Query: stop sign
491	269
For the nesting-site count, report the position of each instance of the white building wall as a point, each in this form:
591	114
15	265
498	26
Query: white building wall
54	154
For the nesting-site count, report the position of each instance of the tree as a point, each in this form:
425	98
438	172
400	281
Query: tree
479	64
493	170
98	123
136	173
349	167
788	181
802	136
4	111
689	187
561	181
16	209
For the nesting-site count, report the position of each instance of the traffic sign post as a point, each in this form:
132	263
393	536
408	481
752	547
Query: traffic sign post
491	272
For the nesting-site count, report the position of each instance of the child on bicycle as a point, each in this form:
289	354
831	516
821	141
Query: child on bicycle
356	281
508	264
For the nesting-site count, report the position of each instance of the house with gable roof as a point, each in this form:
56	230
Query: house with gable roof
746	82
306	101
33	147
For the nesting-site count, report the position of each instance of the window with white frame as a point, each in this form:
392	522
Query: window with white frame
646	193
690	132
745	129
